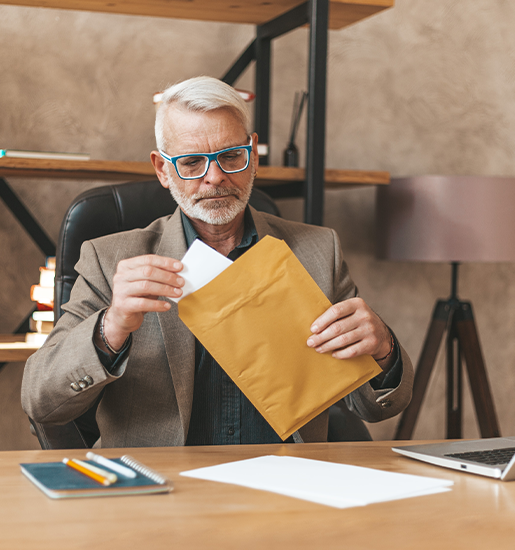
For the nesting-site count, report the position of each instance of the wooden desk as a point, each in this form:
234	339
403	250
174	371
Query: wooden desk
477	513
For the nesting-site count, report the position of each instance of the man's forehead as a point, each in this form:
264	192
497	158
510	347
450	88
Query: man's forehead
180	119
192	131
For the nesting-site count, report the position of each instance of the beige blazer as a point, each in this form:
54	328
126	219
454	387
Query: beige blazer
147	401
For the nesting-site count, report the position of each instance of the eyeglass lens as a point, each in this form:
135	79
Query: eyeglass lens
195	166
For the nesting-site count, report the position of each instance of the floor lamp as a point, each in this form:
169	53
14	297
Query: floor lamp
452	219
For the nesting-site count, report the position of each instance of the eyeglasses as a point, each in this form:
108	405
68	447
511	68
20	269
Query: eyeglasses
194	166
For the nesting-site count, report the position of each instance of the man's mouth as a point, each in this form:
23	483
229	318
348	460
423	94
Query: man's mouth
215	197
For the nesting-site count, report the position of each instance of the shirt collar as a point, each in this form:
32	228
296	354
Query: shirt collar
250	236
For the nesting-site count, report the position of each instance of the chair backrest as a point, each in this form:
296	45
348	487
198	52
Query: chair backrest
97	212
111	209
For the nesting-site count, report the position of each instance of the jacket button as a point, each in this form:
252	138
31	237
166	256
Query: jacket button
82	383
75	387
88	380
386	403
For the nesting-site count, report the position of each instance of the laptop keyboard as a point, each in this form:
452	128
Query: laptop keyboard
491	457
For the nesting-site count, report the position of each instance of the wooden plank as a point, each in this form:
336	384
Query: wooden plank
277	175
339	178
76	169
130	171
342	13
14	349
10	338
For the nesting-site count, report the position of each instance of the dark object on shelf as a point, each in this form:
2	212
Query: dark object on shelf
291	156
291	153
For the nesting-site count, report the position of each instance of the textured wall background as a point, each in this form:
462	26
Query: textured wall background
425	88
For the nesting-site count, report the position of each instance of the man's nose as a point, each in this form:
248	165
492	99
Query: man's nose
214	173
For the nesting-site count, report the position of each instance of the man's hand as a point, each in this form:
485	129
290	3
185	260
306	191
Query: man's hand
350	329
137	284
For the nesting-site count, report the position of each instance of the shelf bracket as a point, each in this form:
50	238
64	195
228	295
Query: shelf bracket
315	142
27	221
316	14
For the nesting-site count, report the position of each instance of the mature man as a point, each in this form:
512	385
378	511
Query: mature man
121	336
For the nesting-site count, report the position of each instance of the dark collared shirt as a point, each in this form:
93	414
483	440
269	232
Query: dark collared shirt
221	414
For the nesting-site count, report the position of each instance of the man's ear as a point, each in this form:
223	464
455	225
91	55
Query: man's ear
158	162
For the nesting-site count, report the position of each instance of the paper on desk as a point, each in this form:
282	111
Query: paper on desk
201	264
337	485
255	319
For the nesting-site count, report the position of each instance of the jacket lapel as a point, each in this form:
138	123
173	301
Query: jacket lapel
262	226
179	341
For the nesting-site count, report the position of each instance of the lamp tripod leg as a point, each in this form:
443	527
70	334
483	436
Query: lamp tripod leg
454	381
437	327
469	344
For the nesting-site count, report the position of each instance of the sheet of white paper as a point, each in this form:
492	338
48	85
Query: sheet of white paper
201	265
338	485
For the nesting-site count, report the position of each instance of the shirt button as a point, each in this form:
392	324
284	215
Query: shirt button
231	431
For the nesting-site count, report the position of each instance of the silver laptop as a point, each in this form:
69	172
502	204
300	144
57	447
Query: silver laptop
493	457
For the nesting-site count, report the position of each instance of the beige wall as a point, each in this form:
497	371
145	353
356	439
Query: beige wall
426	88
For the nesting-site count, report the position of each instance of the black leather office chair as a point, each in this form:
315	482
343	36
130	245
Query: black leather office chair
111	209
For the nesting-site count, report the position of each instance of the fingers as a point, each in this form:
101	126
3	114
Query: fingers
339	319
137	285
149	276
349	329
152	260
336	311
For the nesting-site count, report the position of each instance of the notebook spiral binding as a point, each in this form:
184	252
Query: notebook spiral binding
145	470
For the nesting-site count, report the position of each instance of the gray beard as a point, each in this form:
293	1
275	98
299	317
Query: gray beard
221	212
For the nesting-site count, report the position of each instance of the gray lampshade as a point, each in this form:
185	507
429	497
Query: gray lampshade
447	219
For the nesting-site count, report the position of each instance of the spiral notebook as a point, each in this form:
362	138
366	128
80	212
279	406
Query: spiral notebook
57	480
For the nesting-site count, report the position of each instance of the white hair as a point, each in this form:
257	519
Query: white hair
200	94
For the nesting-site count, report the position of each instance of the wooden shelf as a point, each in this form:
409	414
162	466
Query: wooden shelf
76	169
14	349
280	181
276	175
267	176
341	14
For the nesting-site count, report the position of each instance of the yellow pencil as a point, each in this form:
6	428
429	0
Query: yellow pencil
101	476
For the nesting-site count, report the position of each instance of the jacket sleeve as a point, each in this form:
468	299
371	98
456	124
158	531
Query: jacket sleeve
68	359
372	405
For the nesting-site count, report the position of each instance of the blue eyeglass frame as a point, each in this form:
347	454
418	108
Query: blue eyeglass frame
210	158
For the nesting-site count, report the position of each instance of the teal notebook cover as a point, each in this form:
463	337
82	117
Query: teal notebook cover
57	480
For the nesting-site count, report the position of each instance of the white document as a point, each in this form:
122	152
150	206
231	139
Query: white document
338	485
201	265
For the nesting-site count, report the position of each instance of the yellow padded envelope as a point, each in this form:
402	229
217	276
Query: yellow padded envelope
255	319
